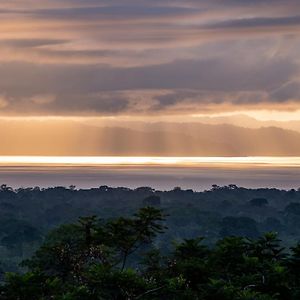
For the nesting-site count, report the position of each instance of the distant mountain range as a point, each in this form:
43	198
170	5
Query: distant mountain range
249	122
143	139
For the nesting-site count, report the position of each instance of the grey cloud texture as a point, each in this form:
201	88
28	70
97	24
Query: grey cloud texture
257	22
137	57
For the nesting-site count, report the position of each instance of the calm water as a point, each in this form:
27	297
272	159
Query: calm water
160	173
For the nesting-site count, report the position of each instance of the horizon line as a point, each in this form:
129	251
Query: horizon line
35	160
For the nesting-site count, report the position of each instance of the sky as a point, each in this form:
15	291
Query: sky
216	61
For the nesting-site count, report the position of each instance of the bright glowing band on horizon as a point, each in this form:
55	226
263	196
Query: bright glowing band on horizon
135	161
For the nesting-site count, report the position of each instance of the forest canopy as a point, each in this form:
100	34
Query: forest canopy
119	259
36	223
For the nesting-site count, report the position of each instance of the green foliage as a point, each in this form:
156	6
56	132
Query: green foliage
30	286
72	249
128	257
259	202
28	214
87	260
239	226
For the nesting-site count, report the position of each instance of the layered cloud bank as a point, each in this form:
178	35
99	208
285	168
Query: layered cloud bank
148	57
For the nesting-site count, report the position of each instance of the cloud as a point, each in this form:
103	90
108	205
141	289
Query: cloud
43	99
288	91
31	43
256	22
3	102
101	89
110	13
97	57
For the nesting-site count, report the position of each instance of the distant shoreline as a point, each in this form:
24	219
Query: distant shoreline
161	177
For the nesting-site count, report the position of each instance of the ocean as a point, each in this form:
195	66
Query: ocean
162	173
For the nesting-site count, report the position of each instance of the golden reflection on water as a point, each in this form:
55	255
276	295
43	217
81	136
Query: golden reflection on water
149	161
